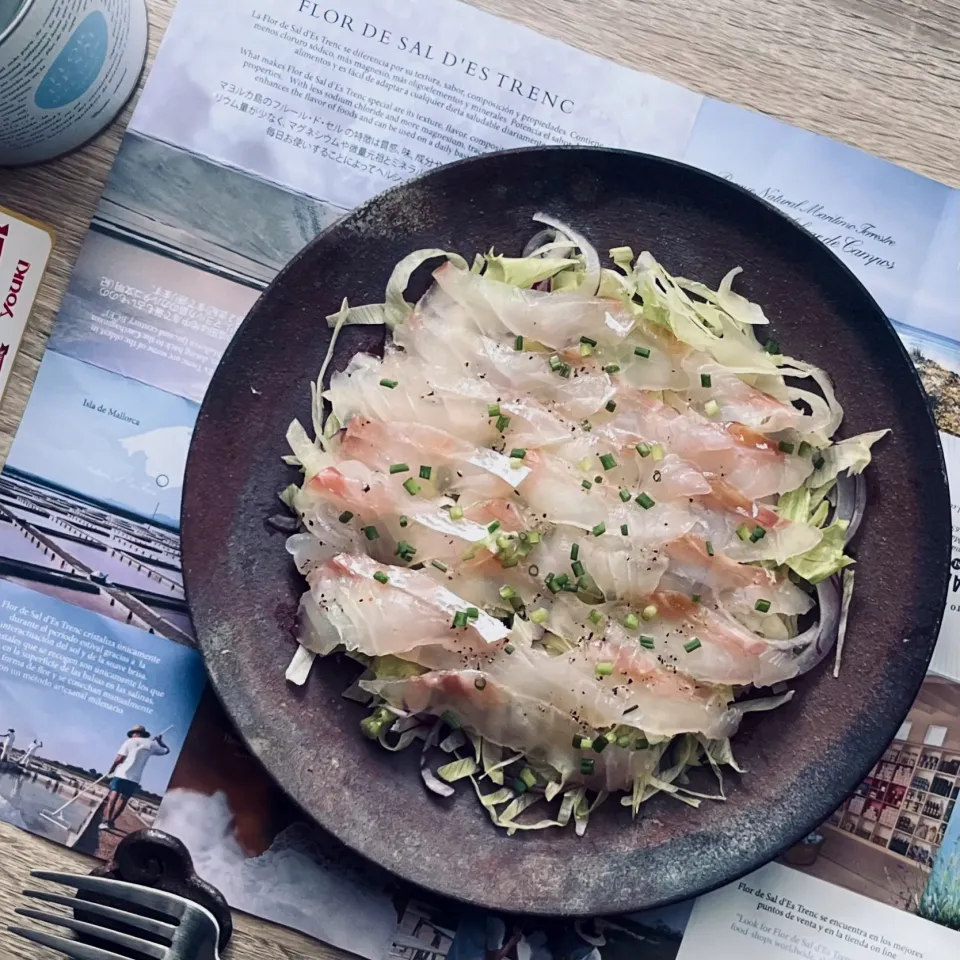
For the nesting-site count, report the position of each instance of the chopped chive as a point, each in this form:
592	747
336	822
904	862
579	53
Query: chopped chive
586	484
804	448
518	453
624	495
456	512
507	592
552	584
451	719
399	467
528	777
586	767
646	641
709	546
743	532
540	615
599	530
587	426
598	479
381	577
643	449
612	368
595	617
610	406
371	532
706	380
425	472
440	565
607	461
506	562
758	534
460	619
631	621
785	447
533	536
657	451
502	423
575	551
771	346
561	579
641	352
818	463
711	408
346	516
571	587
625	530
565	371
493	409
588	341
493	526
762	605
645	501
518	343
405	550
480	683
585	350
472	613
578	739
649	611
692	645
555	363
508	649
389	384
577	567
404	520
411	486
600	743
624	740
696	598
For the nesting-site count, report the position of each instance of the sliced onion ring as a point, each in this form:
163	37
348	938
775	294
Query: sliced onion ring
828	597
851	493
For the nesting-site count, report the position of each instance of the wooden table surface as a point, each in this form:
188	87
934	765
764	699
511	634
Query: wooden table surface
883	75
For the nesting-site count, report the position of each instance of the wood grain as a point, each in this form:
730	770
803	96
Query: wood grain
882	75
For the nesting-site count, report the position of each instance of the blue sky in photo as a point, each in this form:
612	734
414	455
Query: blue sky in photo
880	219
75	730
106	437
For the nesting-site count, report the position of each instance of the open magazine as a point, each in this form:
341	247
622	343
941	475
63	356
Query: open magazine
292	113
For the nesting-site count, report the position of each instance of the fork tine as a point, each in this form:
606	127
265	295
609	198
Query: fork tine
157	927
141	896
101	933
70	948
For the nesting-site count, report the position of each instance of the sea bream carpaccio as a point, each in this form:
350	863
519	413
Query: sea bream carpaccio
581	515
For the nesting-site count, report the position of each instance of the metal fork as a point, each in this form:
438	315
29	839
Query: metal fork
190	932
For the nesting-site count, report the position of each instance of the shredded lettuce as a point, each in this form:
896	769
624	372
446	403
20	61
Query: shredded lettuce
457	769
852	455
525	272
826	558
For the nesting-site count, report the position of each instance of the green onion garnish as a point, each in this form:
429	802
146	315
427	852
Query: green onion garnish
480	683
404	520
561	579
508	649
585	350
649	611
608	462
575	551
610	406
411	486
399	468
460	619
804	448
758	534
641	352
711	408
565	371
692	645
502	423
518	343
493	526
646	641
599	530
346	516
472	613
493	409
818	463
586	484
643	449
540	616
743	532
706	380
507	592
600	744
624	495
518	453
528	778
577	568
456	512
389	384
624	740
533	536
645	501
709	546
625	530
425	472
371	532
405	550
440	565
586	767
595	617
696	598
612	368
771	346
552	585
785	447
588	341
762	605
578	740
555	363
451	719
631	621
381	577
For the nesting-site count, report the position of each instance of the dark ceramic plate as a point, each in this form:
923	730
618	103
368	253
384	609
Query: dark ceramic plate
802	760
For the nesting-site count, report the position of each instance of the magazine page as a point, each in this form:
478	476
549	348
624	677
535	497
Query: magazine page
233	161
